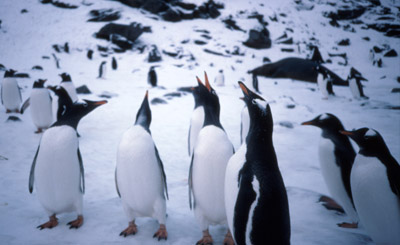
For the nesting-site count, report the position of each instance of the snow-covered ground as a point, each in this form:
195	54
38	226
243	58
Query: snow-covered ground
26	37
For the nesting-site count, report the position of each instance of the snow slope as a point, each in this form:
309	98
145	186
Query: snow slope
26	37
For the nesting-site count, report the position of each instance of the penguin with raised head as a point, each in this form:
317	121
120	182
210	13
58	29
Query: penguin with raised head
355	85
68	85
255	196
211	153
10	92
57	168
375	185
336	157
220	79
197	119
324	82
102	69
245	120
40	102
140	177
152	77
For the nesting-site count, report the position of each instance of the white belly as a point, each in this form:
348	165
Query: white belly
70	88
354	88
41	108
10	94
333	177
376	204
211	155
138	172
245	124
322	83
235	164
196	123
57	170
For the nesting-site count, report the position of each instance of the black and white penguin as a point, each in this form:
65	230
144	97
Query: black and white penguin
355	85
10	92
324	82
40	102
220	79
211	153
336	157
375	185
68	85
102	69
255	196
140	177
57	167
152	77
114	64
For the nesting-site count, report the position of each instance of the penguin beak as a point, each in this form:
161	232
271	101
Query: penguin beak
96	103
244	88
199	81
208	86
348	133
146	96
311	122
241	98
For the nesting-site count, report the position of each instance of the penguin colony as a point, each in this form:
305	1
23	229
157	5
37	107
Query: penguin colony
243	189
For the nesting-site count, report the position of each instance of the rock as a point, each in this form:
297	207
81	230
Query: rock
208	37
366	38
286	41
230	23
121	41
185	89
155	6
290	106
173	94
154	55
286	124
156	101
214	52
107	95
346	14
258	39
99	15
22	75
13	119
398	79
60	4
83	90
344	42
172	15
130	32
391	53
316	56
391	30
200	42
289	50
37	68
23	11
395	90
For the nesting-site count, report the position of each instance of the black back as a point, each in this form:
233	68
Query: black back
152	77
9	73
271	219
64	101
114	64
143	116
65	77
39	83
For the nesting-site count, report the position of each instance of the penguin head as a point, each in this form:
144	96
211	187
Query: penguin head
356	75
369	141
10	73
328	122
64	101
259	110
207	93
39	83
143	116
78	110
65	77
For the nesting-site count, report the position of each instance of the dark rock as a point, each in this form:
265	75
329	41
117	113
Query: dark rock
203	31
377	49
57	48
391	53
290	106
266	60
60	4
395	90
333	22
2	67
288	50
154	55
344	42
13	119
185	41
259	17
66	47
206	36
23	11
185	89
230	23
83	90
286	124
130	32
398	79
173	94
287	41
114	64
37	68
171	15
316	56
214	52
392	30
22	75
283	36
258	39
102	48
346	14
187	6
172	54
155	6
45	57
89	54
156	101
107	95
99	15
200	42
366	38
393	33
121	41
236	51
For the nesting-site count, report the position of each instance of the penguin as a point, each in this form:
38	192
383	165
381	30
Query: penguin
355	85
10	92
219	79
66	47
89	54
375	185
68	85
197	119
336	157
57	168
102	69
41	106
245	120
140	177
255	196
316	56
114	64
324	82
152	77
255	83
211	153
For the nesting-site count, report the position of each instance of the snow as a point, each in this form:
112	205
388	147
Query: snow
26	37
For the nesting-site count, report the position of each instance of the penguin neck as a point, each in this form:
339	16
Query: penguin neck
211	116
71	121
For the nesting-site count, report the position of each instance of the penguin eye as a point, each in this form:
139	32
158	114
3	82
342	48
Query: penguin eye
254	102
213	92
85	105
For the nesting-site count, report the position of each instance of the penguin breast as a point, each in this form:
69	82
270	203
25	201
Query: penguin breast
196	123
10	93
41	108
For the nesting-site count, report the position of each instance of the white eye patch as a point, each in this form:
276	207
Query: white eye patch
370	133
324	116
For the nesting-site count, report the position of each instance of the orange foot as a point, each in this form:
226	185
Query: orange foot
206	240
131	230
76	223
50	224
228	239
331	204
8	111
348	225
161	233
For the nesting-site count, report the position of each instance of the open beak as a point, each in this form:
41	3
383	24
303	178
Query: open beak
244	88
348	133
96	103
208	86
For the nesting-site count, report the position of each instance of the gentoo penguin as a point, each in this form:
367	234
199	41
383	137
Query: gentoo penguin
89	54
255	196
140	177
197	119
10	92
336	157
102	69
255	83
211	153
245	120
375	185
57	167
355	85
114	64
219	79
324	82
152	77
68	85
41	106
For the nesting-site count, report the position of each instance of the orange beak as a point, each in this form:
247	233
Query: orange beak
243	87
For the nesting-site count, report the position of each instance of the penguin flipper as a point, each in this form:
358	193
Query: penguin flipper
25	105
82	172
190	184
163	176
393	173
1	94
19	92
116	183
190	127
32	173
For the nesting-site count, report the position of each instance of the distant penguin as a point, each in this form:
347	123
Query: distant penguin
211	153
114	64
57	167
336	157
255	196
89	54
324	82
66	47
152	77
102	69
10	92
68	85
255	83
219	79
197	119
375	184
41	106
355	85
140	177
316	56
